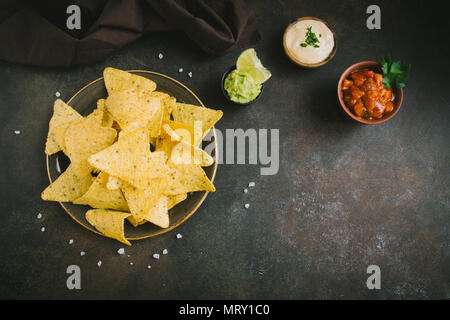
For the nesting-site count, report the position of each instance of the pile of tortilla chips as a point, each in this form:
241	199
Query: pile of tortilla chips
112	168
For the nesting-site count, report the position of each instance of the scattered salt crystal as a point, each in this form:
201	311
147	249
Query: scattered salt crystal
121	251
82	253
39	216
245	190
160	56
180	70
57	94
70	241
190	74
131	263
156	256
179	236
165	251
247	206
99	263
149	267
16	131
43	229
251	184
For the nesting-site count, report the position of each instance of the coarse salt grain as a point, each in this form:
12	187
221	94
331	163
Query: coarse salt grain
251	184
39	216
82	253
245	190
156	256
179	236
16	131
160	56
131	263
165	251
70	241
99	263
121	251
43	229
247	206
57	94
190	74
180	70
149	267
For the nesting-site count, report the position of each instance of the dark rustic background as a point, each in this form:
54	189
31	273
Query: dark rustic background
346	196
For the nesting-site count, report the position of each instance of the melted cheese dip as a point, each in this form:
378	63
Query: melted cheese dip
296	35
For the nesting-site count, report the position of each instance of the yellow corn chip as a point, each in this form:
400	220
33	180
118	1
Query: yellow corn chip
99	197
187	133
150	203
107	119
179	151
184	153
113	183
94	118
168	103
187	178
84	138
130	159
67	187
118	80
109	223
172	201
136	221
133	112
189	114
63	114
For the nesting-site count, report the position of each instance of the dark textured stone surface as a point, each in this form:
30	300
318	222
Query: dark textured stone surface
346	196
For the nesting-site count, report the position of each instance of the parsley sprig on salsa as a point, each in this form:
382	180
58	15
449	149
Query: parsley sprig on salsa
394	73
311	39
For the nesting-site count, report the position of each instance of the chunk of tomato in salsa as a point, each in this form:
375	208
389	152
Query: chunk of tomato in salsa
365	94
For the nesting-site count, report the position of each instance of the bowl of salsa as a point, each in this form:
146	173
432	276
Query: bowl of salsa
363	96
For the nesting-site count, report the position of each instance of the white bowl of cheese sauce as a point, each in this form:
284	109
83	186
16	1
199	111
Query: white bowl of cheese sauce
309	42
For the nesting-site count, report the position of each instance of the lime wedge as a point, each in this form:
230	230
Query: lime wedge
248	62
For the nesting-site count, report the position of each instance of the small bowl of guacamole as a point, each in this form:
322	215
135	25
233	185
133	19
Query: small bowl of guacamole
239	87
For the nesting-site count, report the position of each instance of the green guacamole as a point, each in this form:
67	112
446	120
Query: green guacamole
241	87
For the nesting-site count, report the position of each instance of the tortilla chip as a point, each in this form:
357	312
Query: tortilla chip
67	187
133	112
113	183
168	103
84	138
184	153
63	114
187	178
118	80
189	114
172	201
150	203
159	215
99	197
109	223
180	152
136	221
130	159
187	133
107	119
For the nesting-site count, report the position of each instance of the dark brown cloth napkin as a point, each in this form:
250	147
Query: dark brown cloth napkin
35	32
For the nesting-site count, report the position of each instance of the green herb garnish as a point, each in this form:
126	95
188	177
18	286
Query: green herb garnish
394	73
311	39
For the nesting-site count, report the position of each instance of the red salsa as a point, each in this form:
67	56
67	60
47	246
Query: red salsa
365	94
